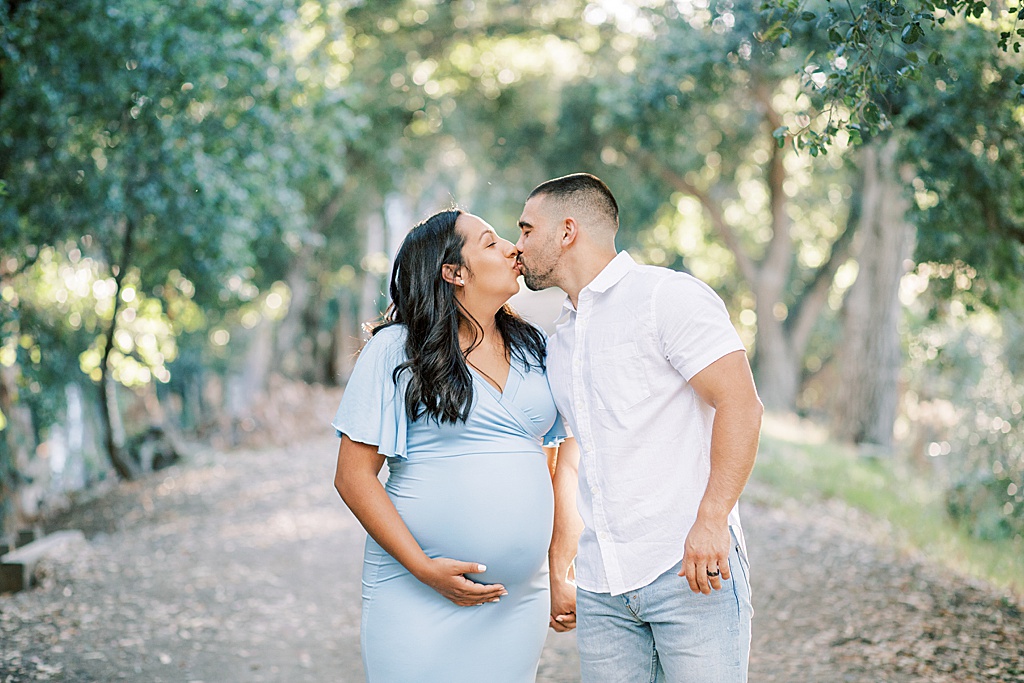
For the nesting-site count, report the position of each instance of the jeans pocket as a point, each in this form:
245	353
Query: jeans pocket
744	569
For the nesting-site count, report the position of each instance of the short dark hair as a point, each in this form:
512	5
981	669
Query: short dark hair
584	189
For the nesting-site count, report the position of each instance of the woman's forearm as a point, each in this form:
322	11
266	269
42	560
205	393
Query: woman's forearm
568	526
357	483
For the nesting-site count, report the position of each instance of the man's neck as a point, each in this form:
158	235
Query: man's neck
584	272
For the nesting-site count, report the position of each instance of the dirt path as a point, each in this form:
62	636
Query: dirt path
244	566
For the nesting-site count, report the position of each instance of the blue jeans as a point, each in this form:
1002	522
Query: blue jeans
666	632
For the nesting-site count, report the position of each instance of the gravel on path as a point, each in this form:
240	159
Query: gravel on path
245	566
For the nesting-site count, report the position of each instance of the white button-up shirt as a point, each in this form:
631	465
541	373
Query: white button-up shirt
619	366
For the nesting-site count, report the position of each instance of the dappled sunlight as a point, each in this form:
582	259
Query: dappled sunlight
200	210
79	296
789	427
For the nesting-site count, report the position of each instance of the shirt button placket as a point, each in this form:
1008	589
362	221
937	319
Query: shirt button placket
587	443
582	400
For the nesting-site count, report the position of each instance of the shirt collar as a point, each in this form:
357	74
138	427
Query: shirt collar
612	273
609	275
567	309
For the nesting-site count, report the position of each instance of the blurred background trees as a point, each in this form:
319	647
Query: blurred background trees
199	199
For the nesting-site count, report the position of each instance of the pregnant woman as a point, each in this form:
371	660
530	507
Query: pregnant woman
451	392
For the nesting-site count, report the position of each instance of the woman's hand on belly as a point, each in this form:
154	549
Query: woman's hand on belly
447	577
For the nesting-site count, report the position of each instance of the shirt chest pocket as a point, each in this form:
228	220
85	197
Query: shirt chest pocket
619	377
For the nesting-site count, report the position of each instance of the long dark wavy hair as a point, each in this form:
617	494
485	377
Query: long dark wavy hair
440	384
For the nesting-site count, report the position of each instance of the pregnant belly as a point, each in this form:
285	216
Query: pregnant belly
494	509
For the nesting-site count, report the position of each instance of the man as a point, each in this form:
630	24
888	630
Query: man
655	384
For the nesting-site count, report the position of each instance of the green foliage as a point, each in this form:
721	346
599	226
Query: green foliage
966	143
168	122
960	127
41	329
877	48
963	365
146	145
155	118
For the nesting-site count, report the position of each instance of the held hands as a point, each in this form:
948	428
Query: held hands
706	556
446	576
563	605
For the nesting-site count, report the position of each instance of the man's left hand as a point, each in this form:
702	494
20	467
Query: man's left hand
706	556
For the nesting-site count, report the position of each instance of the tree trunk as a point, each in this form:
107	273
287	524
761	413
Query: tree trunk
251	381
780	346
114	430
399	217
325	366
776	365
870	357
15	445
346	339
373	271
74	474
293	342
114	437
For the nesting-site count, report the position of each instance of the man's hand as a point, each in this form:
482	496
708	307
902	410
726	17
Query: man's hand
727	386
565	538
563	604
706	555
447	577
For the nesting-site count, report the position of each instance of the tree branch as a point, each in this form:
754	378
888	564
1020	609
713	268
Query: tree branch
122	463
747	267
777	263
806	310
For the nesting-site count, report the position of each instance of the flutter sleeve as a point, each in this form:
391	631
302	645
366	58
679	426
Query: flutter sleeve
372	409
557	434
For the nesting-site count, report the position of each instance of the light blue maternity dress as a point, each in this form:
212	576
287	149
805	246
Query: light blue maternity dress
475	492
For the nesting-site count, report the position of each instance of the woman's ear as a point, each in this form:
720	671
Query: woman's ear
452	273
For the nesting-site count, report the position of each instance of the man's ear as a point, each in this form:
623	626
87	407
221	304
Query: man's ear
570	231
451	273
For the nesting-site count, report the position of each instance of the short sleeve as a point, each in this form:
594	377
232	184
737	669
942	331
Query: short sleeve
693	324
557	434
372	409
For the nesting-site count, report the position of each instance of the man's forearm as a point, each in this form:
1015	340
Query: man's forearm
734	439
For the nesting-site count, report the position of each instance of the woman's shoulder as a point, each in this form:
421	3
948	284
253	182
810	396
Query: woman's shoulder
387	342
390	333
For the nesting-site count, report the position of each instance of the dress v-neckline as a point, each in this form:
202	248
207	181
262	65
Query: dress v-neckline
501	392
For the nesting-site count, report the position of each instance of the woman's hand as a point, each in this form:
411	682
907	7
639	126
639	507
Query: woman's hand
563	605
447	577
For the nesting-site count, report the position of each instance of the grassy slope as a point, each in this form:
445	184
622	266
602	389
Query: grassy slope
796	461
